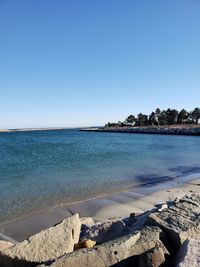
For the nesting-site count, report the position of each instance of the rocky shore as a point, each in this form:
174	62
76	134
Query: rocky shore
171	130
166	235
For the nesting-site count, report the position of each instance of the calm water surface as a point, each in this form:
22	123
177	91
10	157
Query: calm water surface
45	168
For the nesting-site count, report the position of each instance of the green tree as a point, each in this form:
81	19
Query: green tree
183	117
153	119
130	120
157	115
172	115
196	115
142	119
162	120
121	124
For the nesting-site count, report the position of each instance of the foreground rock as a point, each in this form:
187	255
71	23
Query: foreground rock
5	244
150	237
87	221
102	232
180	221
121	251
150	240
152	258
46	245
189	254
103	255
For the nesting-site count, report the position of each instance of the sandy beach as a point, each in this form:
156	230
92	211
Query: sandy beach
133	200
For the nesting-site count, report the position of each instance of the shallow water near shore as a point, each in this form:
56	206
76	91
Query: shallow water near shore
45	168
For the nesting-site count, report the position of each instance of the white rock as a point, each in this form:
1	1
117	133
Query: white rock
87	220
5	244
46	245
163	207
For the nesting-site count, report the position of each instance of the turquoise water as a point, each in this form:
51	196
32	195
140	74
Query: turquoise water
44	168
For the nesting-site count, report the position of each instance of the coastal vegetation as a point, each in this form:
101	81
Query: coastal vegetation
160	118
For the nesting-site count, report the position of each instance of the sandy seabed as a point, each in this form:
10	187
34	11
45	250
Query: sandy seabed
132	200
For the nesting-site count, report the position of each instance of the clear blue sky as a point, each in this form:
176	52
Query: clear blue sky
75	62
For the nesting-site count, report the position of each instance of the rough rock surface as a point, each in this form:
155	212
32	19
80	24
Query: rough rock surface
189	254
150	237
103	255
119	251
149	130
151	240
5	244
46	245
87	221
180	221
152	258
102	232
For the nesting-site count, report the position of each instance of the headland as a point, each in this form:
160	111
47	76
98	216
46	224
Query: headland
193	130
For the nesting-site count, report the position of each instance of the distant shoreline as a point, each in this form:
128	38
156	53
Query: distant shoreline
35	129
193	130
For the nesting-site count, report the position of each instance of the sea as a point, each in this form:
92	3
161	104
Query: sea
43	169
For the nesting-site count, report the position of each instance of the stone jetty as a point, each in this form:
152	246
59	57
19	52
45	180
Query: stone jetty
168	130
168	236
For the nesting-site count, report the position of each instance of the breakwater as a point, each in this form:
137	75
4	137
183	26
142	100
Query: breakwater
194	131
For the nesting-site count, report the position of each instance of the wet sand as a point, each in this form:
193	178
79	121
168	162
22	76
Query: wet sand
136	199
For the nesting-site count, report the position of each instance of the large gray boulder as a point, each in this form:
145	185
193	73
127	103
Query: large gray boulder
44	246
121	251
180	221
152	258
189	254
103	255
150	237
